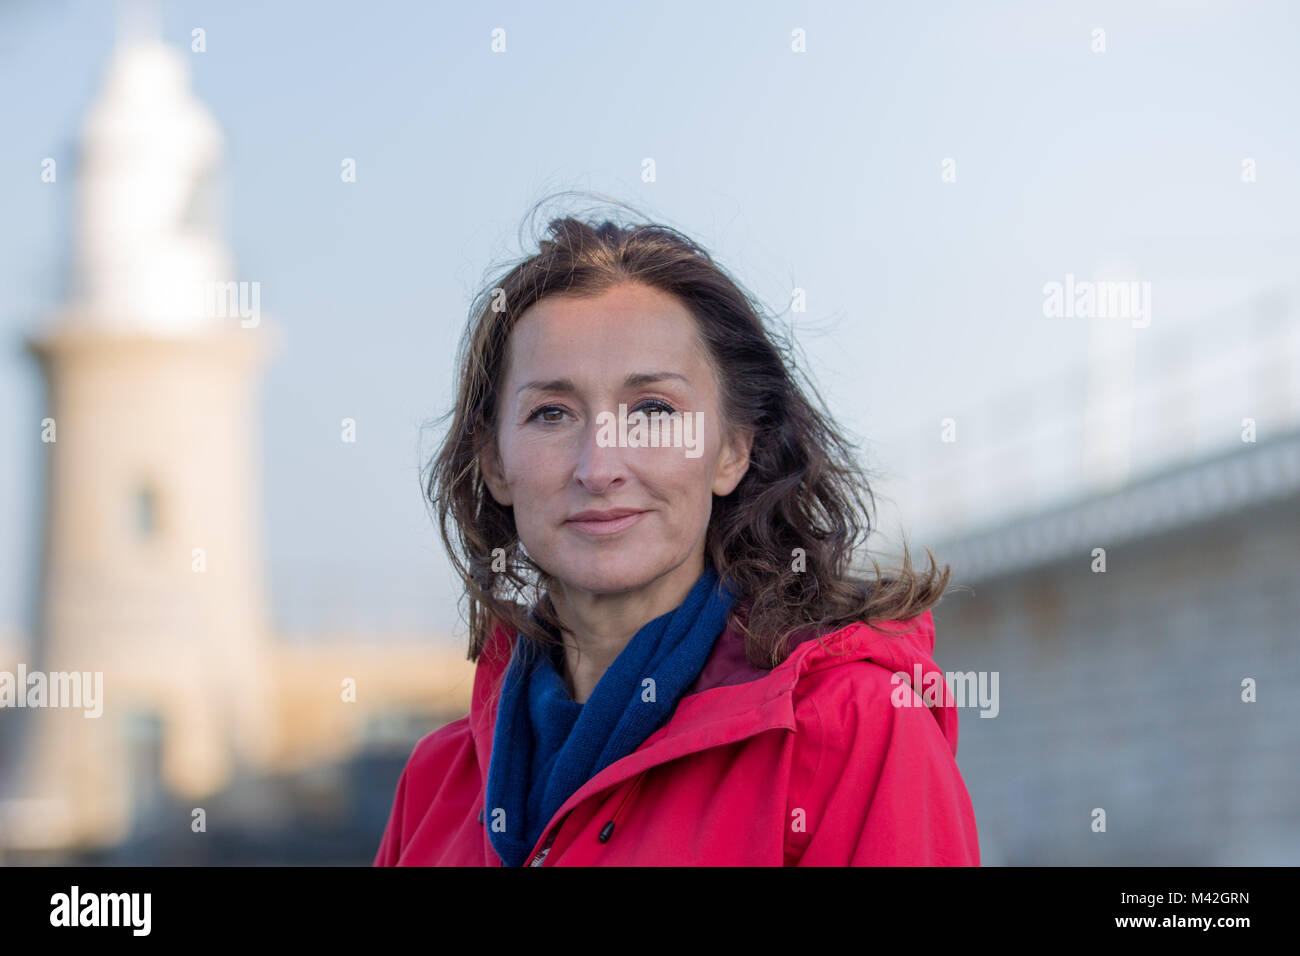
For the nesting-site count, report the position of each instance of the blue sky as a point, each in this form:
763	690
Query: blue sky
818	170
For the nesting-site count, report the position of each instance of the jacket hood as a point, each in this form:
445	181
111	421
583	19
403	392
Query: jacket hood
733	699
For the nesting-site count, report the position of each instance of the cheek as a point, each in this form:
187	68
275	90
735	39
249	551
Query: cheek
536	472
686	487
527	463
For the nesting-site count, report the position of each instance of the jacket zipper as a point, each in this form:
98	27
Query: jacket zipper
606	831
541	854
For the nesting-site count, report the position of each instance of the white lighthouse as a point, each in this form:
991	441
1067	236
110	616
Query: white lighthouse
153	567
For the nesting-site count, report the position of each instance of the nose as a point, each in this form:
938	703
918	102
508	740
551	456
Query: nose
600	464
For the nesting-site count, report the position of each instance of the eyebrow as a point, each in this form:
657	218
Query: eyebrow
635	380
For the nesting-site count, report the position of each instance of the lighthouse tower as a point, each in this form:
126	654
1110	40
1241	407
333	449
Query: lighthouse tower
153	570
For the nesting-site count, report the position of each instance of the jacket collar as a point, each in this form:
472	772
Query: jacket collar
731	700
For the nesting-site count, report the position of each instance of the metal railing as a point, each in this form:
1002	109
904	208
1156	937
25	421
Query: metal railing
1154	398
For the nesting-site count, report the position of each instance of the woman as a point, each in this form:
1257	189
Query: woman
694	676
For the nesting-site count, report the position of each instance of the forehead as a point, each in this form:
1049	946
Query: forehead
626	326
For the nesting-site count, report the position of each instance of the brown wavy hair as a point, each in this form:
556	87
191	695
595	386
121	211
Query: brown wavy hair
804	488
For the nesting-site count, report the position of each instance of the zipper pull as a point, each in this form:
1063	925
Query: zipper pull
555	831
541	854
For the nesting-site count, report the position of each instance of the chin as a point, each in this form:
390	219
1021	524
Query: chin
609	576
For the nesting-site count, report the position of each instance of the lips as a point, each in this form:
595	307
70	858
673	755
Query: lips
611	521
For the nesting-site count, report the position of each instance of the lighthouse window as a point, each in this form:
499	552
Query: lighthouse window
146	512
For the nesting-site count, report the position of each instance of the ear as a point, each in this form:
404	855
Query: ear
489	463
733	462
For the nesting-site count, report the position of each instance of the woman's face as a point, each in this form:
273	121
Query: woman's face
571	363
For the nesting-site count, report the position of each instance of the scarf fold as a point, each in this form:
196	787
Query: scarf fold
546	745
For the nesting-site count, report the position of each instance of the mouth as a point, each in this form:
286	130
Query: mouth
604	523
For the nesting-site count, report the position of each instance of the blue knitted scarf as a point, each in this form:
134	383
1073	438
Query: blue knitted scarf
545	745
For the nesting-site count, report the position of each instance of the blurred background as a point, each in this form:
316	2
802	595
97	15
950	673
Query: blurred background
1041	261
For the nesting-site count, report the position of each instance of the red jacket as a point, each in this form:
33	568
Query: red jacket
810	763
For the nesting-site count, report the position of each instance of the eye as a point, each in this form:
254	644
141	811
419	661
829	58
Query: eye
655	405
544	410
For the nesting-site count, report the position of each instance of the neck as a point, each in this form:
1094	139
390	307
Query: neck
598	626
